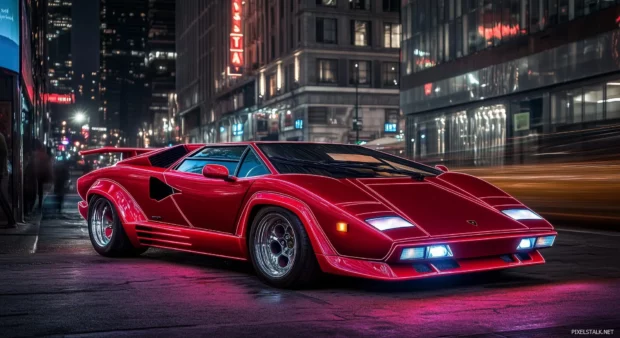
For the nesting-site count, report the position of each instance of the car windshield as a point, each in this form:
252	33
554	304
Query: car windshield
341	161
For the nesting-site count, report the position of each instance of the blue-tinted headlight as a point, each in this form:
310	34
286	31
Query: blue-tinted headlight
413	253
526	243
521	214
545	241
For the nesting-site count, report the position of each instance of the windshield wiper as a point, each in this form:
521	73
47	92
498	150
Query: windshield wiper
316	164
350	166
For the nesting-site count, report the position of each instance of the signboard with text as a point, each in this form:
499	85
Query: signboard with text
9	35
236	40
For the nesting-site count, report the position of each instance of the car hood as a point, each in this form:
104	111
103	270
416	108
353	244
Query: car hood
436	210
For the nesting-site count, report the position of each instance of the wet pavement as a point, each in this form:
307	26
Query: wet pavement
66	289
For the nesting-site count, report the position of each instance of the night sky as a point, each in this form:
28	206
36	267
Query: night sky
85	36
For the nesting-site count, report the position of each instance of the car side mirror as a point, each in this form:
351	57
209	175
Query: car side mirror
217	171
442	167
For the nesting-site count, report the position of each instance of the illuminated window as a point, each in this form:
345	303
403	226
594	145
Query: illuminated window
360	31
359	72
390	74
359	4
391	35
328	71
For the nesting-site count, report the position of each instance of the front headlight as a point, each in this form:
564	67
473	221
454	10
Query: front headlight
390	222
521	214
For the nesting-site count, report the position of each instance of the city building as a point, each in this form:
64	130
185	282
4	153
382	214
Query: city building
59	63
23	108
161	63
288	70
87	96
509	82
124	87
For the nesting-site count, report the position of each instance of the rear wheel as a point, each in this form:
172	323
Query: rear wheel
280	249
106	231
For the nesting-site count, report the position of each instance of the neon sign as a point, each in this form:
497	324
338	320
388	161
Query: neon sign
60	98
236	40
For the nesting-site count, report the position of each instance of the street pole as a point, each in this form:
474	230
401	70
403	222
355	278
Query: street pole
357	120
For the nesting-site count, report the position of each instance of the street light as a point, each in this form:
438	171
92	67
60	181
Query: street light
357	117
79	117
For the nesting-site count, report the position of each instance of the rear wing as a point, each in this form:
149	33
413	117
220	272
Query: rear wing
125	152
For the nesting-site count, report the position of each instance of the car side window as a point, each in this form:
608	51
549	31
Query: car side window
252	166
226	156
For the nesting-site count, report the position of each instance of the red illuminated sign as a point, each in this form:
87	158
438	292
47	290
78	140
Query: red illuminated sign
60	98
428	89
236	40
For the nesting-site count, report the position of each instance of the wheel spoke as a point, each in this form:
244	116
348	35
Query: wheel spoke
274	245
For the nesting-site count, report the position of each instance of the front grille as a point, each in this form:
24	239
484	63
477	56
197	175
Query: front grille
524	256
422	267
448	264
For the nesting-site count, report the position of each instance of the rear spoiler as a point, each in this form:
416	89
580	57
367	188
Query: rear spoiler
125	152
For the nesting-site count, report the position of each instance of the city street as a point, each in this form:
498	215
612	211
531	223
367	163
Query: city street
66	289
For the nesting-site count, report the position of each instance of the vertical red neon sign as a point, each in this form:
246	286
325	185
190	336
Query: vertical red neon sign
236	40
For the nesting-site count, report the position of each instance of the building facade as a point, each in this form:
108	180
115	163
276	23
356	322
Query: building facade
494	82
290	70
124	89
24	121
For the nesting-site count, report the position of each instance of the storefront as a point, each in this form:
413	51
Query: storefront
20	104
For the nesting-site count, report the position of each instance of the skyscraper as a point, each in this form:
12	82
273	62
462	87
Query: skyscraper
161	62
60	65
124	86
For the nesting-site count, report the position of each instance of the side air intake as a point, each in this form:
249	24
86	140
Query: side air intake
166	158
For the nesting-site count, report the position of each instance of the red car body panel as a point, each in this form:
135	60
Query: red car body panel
212	216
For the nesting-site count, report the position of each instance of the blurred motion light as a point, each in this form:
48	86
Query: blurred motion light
521	214
387	223
545	241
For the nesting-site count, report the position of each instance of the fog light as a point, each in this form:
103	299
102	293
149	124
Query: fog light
526	243
437	251
545	241
413	253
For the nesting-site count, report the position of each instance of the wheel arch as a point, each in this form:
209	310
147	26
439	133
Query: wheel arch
127	208
318	239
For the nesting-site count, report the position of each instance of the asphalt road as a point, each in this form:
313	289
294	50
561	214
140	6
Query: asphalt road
66	289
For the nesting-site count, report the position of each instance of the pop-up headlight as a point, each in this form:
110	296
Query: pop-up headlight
387	223
521	214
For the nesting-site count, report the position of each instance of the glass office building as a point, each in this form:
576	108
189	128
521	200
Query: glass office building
492	82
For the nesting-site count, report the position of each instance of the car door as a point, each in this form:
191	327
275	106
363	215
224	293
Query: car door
211	204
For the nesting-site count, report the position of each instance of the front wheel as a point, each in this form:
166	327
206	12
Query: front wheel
106	231
280	249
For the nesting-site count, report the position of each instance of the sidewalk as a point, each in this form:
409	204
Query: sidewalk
23	239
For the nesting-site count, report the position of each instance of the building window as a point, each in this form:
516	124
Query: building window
330	3
390	74
391	35
391	5
391	121
328	71
360	33
326	30
359	4
272	85
359	72
317	115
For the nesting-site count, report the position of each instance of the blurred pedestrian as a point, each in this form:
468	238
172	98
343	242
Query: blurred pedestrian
43	169
61	178
6	207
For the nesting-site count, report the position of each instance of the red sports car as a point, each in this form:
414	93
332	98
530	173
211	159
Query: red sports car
298	209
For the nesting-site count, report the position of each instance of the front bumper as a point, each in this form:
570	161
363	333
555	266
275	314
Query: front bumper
392	272
470	254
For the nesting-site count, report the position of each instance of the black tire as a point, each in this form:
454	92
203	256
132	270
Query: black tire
119	244
305	270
